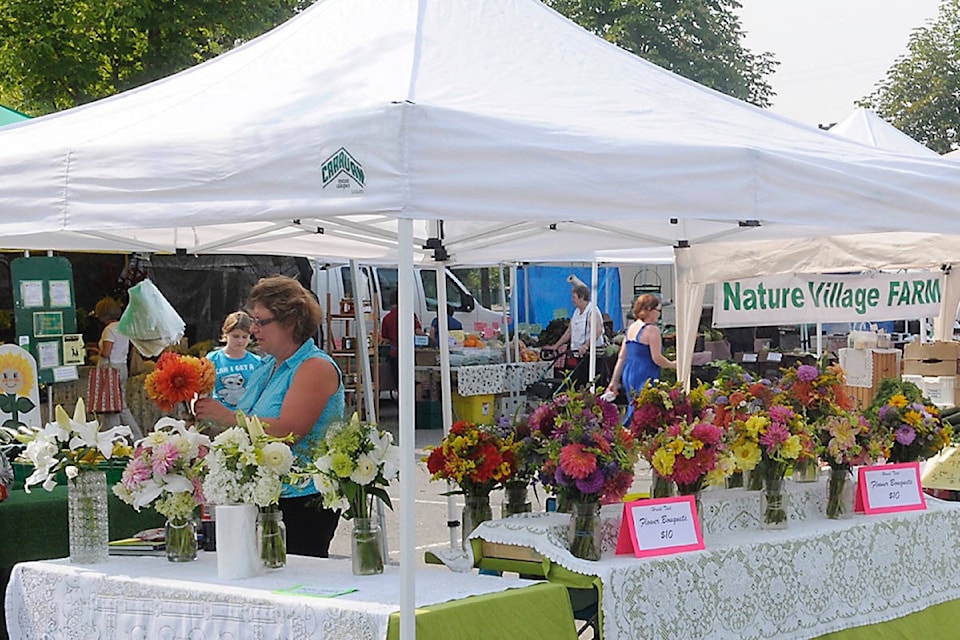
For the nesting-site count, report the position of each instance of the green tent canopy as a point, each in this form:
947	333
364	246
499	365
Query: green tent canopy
9	116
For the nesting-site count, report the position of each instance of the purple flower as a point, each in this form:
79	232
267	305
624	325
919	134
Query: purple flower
721	400
807	373
906	435
780	413
776	435
561	478
593	483
885	412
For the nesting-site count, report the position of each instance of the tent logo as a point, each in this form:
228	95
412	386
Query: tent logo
341	169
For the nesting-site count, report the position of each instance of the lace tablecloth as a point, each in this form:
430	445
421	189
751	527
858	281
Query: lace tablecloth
144	598
498	378
816	577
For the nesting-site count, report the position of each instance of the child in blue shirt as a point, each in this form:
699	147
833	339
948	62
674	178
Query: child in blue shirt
233	362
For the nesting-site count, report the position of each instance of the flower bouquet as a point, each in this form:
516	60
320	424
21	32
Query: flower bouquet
73	445
734	398
248	467
589	459
528	458
847	440
354	464
178	380
478	459
167	470
691	454
77	447
908	424
660	404
771	441
815	392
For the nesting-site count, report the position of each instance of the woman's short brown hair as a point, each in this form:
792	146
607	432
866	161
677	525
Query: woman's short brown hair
108	309
645	302
290	303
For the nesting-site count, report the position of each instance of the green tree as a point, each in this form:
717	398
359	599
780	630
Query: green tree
698	39
920	91
56	54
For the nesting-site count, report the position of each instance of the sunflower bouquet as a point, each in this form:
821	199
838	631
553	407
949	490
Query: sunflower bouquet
178	380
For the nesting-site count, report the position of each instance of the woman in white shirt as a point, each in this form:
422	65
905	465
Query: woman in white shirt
578	331
114	347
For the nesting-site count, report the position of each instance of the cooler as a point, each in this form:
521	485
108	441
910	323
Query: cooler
477	409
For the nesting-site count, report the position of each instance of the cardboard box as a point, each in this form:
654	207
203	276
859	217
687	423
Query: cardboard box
425	357
932	359
941	390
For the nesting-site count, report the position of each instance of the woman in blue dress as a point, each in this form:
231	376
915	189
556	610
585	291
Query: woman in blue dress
641	354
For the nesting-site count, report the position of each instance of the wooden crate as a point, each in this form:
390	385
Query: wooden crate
886	364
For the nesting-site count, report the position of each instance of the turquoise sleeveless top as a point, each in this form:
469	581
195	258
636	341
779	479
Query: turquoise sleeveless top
264	398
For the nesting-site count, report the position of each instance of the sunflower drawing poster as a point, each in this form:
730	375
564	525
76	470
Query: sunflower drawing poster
19	391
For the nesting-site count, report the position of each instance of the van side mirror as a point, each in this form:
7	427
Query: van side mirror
467	303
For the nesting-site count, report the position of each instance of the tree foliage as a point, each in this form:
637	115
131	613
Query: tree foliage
920	92
56	54
698	39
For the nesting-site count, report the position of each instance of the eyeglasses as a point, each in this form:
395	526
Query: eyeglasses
262	322
658	309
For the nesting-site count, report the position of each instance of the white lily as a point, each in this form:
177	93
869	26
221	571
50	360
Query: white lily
72	471
365	471
253	425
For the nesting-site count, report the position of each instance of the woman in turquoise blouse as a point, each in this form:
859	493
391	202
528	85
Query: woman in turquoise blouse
296	390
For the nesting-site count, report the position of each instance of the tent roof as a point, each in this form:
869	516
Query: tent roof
527	135
866	127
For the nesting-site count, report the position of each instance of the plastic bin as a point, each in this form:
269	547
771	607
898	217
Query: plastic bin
477	409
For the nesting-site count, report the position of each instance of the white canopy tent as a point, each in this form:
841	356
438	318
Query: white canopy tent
866	127
343	132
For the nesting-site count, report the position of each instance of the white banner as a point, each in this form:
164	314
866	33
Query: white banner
796	298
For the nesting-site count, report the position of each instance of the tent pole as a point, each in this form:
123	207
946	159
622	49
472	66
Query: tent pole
594	277
408	541
503	313
358	316
514	310
446	392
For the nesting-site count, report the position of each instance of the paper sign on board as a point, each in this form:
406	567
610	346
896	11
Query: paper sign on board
890	487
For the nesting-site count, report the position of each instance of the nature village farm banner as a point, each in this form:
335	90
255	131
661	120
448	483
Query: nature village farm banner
800	298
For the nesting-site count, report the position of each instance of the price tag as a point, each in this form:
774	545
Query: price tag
749	357
891	487
773	356
660	527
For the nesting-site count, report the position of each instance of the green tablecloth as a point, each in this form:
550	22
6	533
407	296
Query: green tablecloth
539	611
33	526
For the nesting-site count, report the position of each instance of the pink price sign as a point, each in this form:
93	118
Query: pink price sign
888	488
660	527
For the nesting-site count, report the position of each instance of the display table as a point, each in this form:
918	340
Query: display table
33	526
498	378
817	577
135	597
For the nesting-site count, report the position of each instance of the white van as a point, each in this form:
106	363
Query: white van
381	282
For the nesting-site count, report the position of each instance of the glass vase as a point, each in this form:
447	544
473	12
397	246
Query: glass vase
734	480
180	538
87	516
806	470
661	487
476	509
840	493
773	503
272	537
366	548
585	533
516	499
753	480
694	489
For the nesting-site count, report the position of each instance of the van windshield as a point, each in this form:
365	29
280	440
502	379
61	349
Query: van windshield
454	294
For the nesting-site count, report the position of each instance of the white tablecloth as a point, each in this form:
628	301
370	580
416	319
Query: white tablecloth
147	598
816	577
498	378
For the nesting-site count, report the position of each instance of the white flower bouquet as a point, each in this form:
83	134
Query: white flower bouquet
71	445
246	466
354	463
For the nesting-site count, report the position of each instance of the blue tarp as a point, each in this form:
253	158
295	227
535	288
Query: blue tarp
549	292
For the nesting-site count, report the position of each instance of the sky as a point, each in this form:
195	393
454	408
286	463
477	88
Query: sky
831	52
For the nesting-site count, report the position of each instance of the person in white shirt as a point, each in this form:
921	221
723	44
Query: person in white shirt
578	331
114	347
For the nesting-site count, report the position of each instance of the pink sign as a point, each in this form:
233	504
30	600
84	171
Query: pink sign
659	527
888	488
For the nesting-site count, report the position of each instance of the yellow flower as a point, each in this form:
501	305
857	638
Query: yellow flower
913	418
755	425
676	446
746	455
791	448
898	400
663	461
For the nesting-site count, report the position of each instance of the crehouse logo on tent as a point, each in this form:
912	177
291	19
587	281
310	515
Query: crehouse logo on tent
343	172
